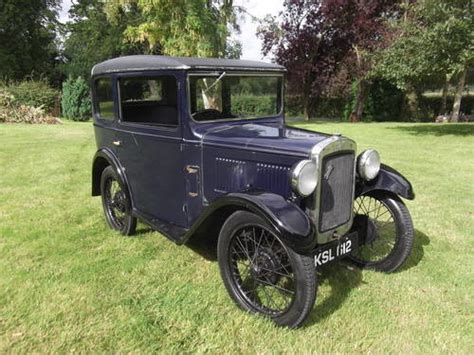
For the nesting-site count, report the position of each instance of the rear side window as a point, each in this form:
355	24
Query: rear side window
149	100
105	102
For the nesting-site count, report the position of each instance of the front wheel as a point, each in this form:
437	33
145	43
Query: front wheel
385	232
263	275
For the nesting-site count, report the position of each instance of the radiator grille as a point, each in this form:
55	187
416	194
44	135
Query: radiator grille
337	179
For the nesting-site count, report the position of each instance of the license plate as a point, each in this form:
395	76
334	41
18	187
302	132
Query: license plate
336	249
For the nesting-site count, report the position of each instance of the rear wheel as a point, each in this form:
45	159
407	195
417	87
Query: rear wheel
261	274
385	232
116	203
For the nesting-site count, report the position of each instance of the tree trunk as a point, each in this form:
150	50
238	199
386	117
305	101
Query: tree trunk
458	97
306	100
444	97
410	108
361	96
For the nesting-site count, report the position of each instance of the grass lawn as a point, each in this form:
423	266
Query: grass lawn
68	283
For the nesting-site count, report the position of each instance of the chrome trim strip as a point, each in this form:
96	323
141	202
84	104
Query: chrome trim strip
330	145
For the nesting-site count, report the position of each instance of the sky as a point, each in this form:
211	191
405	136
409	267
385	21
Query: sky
251	45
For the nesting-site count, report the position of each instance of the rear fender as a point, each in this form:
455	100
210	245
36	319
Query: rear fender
103	158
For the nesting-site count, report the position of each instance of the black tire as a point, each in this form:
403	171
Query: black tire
386	231
116	203
278	283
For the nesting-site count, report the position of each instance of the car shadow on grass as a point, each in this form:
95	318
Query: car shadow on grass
203	245
455	129
417	254
142	231
343	278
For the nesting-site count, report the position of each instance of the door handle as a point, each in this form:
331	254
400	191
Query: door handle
191	169
117	143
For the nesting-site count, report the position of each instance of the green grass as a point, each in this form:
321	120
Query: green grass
68	283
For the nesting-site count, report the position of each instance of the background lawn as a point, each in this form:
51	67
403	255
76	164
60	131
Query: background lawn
68	283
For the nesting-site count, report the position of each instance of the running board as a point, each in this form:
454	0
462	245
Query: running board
171	231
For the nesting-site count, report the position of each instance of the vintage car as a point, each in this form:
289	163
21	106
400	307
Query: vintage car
194	146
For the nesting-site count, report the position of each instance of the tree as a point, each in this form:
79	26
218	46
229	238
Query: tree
316	40
28	37
436	41
91	38
308	44
181	27
367	25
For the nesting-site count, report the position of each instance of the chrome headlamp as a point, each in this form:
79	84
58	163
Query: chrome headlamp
368	164
304	178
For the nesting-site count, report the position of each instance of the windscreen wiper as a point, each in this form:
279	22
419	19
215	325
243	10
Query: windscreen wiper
215	82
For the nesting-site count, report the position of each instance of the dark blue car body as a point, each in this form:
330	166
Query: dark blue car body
189	178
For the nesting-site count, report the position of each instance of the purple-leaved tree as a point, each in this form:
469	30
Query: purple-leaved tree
318	39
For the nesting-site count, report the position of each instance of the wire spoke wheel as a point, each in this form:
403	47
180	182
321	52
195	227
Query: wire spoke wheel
116	203
381	230
262	274
262	270
385	232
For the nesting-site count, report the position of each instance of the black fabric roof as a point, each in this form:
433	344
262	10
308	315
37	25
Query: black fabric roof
158	62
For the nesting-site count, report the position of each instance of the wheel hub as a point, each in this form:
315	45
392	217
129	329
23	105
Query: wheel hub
119	201
265	265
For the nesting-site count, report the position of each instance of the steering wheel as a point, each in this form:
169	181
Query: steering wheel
207	114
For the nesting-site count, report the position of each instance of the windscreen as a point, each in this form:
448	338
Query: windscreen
224	96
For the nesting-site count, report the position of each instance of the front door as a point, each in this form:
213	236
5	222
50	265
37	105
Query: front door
149	146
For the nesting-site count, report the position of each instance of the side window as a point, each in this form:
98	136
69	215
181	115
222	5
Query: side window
105	101
149	100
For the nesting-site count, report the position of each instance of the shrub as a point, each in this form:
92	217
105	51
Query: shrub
75	99
386	101
11	111
34	93
294	106
433	104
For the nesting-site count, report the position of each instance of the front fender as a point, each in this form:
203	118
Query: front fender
388	179
288	221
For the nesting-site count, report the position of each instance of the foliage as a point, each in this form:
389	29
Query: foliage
432	105
435	39
91	38
182	27
323	107
34	93
257	105
70	283
75	99
12	111
385	102
315	37
28	38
